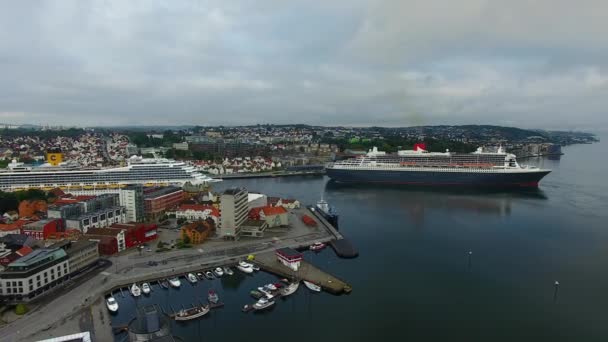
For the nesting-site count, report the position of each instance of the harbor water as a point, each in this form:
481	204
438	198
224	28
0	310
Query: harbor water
434	265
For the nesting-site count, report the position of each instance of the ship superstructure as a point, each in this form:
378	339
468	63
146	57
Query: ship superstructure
146	171
419	167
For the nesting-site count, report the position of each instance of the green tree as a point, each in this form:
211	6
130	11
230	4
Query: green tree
21	309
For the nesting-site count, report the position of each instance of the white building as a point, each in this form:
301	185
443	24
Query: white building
132	198
234	209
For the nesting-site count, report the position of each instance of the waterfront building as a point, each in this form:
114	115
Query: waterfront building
289	257
274	216
132	198
158	200
41	230
197	212
197	232
233	210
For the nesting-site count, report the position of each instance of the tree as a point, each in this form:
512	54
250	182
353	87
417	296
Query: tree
21	309
186	240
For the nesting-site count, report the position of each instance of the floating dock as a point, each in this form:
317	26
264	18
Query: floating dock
329	283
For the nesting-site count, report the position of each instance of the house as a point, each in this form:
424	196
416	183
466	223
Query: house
274	216
197	212
41	230
111	240
289	257
197	232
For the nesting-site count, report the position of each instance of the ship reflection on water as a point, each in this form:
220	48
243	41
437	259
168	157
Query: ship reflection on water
417	201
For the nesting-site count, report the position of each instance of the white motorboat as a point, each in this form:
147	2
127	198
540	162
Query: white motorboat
209	275
192	278
175	282
145	288
228	271
271	287
213	297
244	264
112	304
263	303
245	269
289	289
218	272
200	276
135	290
255	267
312	286
317	246
192	313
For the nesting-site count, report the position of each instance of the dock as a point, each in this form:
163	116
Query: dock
268	262
340	244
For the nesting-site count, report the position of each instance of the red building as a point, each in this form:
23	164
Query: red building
41	230
137	233
158	200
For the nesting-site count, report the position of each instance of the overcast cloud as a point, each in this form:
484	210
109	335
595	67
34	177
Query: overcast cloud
540	63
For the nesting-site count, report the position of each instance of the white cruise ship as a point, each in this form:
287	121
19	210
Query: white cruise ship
146	171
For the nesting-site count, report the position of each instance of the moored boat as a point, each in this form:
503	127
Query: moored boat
145	288
192	313
271	287
317	246
218	272
192	278
135	290
256	294
244	267
175	282
312	286
112	304
213	297
262	304
209	275
164	283
228	271
200	276
289	289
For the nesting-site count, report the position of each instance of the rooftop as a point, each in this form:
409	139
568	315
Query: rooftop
233	191
104	231
38	225
158	192
39	256
270	211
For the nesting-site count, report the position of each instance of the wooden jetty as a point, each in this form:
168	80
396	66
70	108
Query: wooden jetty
329	283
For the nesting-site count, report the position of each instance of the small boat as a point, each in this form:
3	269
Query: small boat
245	268
200	276
278	285
112	304
255	267
218	272
192	278
289	289
271	287
164	283
256	294
135	290
265	292
175	282
317	246
244	264
213	297
192	313
209	275
262	304
312	286
228	271
145	288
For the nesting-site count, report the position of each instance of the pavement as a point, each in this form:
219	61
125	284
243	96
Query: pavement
82	308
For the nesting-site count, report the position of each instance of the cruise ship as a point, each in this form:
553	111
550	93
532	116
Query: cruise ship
423	168
66	175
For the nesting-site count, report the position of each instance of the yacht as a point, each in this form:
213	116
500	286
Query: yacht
263	303
213	297
312	286
175	282
145	288
112	304
218	272
244	267
192	278
135	290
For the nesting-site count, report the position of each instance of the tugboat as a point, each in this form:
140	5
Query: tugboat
213	297
328	213
192	313
112	304
262	304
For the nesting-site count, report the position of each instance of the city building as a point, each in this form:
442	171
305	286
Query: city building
289	257
111	240
253	228
197	212
273	216
137	233
32	208
257	200
34	274
234	208
41	230
197	232
158	200
97	219
132	198
81	254
13	227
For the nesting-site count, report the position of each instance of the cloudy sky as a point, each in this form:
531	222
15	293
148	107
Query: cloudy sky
526	63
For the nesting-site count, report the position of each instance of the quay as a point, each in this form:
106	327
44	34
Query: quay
268	262
272	174
340	244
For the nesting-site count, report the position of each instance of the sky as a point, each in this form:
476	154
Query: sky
531	64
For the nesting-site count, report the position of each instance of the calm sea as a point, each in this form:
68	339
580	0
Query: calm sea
414	279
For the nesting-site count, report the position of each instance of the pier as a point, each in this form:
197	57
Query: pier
268	262
340	244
